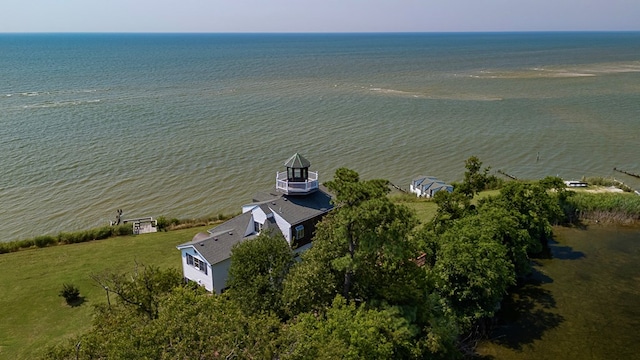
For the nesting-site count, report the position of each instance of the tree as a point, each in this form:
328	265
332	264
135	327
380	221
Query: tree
196	325
471	271
257	271
475	178
451	206
504	225
141	290
534	202
349	332
361	249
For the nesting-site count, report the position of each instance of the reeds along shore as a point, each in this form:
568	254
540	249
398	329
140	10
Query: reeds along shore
105	232
606	208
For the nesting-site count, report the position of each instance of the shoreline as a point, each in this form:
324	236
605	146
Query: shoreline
577	218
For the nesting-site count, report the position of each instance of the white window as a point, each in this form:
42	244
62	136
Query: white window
197	263
299	232
200	265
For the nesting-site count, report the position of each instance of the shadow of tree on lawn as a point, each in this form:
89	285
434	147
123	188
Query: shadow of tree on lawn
77	302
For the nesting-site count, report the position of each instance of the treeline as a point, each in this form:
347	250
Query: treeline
375	285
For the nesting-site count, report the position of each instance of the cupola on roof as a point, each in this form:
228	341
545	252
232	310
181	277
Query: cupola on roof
297	161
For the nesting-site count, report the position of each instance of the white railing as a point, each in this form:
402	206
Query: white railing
293	187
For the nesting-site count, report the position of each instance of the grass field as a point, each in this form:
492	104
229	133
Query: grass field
33	316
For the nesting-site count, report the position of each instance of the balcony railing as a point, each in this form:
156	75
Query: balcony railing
296	187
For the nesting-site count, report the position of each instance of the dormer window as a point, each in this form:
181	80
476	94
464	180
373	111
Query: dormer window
257	227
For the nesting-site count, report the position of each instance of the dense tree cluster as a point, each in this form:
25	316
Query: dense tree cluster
375	285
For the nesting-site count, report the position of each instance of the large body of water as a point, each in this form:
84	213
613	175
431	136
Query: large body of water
194	125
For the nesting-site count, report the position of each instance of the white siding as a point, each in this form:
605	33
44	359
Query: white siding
249	207
259	215
415	190
193	274
284	226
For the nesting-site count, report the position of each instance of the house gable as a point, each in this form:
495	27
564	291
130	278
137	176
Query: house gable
195	267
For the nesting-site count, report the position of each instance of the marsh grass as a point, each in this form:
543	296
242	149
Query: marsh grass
619	208
602	181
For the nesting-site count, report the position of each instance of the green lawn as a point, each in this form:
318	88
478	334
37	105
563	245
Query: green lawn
33	316
426	209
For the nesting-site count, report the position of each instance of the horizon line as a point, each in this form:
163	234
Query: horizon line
317	32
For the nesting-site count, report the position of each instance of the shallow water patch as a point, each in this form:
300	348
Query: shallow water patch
581	303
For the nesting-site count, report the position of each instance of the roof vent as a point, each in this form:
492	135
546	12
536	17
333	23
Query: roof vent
230	232
201	244
215	239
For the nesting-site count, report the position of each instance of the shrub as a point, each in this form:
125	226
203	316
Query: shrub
70	293
44	240
122	230
163	223
103	233
4	248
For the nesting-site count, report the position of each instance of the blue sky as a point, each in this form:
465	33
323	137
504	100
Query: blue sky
318	16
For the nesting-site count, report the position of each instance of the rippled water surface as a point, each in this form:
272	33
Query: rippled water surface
194	125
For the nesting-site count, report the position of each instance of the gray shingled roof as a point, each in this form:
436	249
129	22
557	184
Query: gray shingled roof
217	247
297	161
294	209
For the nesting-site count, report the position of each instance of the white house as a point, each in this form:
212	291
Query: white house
293	209
428	186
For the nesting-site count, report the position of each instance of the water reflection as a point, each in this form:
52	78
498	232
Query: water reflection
527	314
581	302
563	252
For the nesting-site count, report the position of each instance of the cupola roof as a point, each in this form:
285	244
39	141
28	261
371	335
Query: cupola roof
297	161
